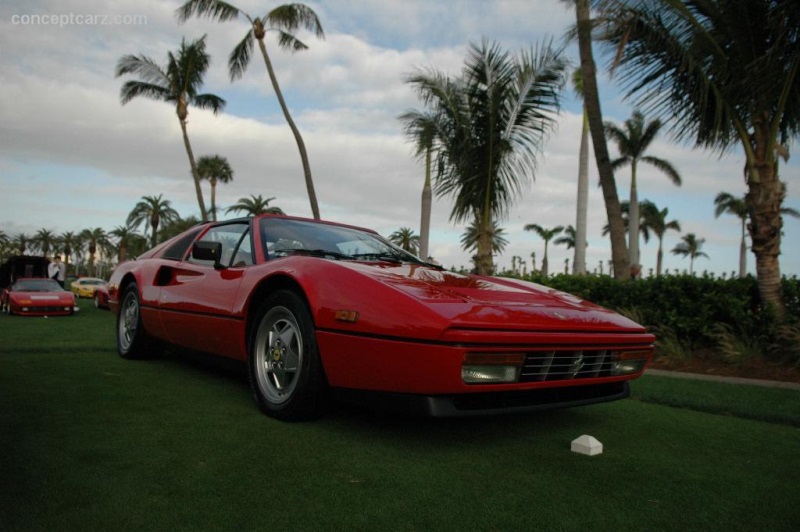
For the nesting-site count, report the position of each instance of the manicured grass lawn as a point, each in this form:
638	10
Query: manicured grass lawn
89	441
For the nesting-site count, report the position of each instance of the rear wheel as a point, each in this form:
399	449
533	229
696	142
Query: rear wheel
131	338
96	300
286	373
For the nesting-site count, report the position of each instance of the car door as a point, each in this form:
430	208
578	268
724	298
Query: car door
197	296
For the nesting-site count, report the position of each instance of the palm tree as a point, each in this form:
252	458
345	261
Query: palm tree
569	238
127	238
491	123
594	114
284	20
471	237
690	247
21	242
579	261
95	238
547	235
420	127
45	240
725	73
726	203
178	83
215	169
67	240
406	239
255	205
151	211
633	140
656	220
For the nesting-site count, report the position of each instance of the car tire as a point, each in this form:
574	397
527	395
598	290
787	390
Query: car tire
286	374
96	301
132	341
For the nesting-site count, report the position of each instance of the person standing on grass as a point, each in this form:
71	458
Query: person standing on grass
57	270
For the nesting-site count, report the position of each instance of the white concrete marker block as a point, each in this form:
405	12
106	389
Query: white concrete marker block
586	445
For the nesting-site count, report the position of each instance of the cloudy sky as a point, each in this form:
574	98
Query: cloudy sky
72	157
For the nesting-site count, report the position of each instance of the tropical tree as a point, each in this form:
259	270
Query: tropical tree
67	240
284	20
127	240
95	239
655	220
45	240
177	226
579	261
568	239
406	239
594	115
471	236
21	243
491	123
725	73
214	169
690	247
547	235
420	127
632	140
726	203
151	211
178	83
255	205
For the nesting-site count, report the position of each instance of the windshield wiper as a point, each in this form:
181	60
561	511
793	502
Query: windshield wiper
311	252
384	256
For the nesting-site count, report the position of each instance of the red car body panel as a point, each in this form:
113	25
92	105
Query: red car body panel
50	300
415	323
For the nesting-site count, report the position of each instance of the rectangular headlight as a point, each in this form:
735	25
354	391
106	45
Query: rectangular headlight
630	362
481	368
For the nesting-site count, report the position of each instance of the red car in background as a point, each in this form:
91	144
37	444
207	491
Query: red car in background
37	297
101	297
323	311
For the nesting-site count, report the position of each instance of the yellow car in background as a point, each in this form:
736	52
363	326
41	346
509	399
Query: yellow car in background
85	286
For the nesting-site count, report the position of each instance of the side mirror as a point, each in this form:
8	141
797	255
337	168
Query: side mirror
208	251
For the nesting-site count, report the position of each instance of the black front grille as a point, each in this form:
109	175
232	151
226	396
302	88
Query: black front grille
544	366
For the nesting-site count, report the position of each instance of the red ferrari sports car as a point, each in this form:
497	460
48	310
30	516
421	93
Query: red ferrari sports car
37	297
101	297
323	311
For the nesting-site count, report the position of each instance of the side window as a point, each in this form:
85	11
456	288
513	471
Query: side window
243	256
231	236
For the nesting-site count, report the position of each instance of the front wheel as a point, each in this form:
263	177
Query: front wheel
286	374
131	338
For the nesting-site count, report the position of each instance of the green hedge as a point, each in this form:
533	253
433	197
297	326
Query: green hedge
691	308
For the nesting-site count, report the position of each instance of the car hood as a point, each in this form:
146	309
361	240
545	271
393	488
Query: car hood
495	302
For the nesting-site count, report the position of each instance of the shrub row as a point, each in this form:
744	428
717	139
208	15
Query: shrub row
691	309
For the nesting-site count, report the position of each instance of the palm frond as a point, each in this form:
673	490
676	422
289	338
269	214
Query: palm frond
239	59
211	9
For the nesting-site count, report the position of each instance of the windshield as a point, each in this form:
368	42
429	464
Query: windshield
36	285
284	237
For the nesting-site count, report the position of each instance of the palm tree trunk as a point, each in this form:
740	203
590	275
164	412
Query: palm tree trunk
659	256
743	253
619	252
579	262
195	175
545	263
633	220
764	199
485	264
312	195
425	218
214	199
